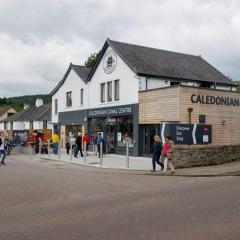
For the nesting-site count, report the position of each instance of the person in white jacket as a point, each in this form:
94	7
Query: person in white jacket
2	149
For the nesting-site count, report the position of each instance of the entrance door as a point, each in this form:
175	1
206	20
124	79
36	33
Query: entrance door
110	134
149	133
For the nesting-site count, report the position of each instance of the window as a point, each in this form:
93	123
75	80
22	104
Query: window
81	96
109	91
116	90
56	107
102	92
202	119
69	99
31	125
44	124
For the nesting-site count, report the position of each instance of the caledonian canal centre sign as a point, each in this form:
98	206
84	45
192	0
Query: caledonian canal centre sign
206	99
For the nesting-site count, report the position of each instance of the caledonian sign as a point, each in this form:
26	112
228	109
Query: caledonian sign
206	99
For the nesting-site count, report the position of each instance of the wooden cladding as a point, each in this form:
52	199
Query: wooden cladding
172	104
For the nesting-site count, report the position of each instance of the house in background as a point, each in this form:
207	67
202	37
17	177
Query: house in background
6	112
37	117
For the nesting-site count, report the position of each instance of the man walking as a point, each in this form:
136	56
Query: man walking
78	146
2	149
99	142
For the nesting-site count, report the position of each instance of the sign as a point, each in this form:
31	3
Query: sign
187	133
111	121
109	62
112	111
119	136
206	99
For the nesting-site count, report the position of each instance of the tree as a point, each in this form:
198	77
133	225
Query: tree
91	60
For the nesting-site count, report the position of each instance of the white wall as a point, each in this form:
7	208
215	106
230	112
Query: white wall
153	83
192	84
224	87
2	126
18	126
26	125
128	90
73	83
49	125
38	125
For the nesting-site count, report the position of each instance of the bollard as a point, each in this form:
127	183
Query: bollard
101	153
71	150
48	148
85	151
127	154
59	150
40	146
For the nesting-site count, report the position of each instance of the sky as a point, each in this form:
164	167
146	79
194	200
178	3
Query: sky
39	39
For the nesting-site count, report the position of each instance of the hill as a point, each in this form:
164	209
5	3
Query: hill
18	102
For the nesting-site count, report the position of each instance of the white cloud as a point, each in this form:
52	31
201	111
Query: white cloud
39	39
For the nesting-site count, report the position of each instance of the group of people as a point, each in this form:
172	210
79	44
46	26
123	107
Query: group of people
78	142
163	154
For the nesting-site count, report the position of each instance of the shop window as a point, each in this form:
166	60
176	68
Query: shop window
116	90
56	106
81	96
102	93
69	99
109	91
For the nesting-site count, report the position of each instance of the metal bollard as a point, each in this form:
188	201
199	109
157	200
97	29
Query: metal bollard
59	150
85	151
127	154
71	150
40	147
101	153
48	148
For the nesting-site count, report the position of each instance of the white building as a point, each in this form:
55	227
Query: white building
106	98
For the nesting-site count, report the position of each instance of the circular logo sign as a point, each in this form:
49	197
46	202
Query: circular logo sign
109	62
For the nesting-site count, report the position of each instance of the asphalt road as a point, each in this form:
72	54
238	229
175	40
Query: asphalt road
49	200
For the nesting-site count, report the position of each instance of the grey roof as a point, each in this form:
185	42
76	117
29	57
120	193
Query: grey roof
154	62
81	71
42	113
5	109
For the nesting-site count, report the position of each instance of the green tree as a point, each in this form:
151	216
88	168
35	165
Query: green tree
91	60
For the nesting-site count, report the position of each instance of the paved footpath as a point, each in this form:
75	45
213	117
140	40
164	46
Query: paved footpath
112	161
43	199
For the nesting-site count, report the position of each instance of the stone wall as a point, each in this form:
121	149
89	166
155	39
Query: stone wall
203	155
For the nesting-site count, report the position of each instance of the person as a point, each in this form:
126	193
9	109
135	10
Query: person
85	141
157	150
68	145
55	140
2	149
73	143
99	141
78	146
168	150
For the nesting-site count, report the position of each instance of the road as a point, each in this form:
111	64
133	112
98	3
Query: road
52	200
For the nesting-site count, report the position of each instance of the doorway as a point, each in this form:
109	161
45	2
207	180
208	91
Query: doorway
149	132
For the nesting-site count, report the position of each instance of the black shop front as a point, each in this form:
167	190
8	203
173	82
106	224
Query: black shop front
117	125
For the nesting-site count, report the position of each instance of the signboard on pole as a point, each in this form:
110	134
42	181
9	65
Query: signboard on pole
187	133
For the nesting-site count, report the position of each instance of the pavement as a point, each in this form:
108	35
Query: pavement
143	164
47	199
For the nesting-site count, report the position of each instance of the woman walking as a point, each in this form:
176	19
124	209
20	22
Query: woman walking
157	150
168	149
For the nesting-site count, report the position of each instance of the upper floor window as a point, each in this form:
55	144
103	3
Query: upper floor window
109	91
81	96
69	99
56	106
116	90
102	92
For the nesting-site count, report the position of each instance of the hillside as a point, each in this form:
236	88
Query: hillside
18	102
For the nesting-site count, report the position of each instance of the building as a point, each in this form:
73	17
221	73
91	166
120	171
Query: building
37	117
6	112
132	89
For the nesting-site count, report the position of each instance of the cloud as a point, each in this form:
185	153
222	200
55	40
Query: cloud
39	39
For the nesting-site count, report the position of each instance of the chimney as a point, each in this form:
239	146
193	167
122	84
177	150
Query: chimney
39	102
26	105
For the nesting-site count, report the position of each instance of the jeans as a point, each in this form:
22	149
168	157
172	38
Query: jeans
4	155
78	148
55	148
155	159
